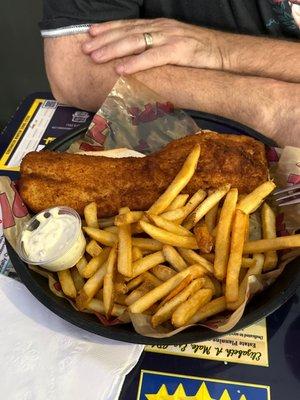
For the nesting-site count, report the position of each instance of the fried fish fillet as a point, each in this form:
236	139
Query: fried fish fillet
49	179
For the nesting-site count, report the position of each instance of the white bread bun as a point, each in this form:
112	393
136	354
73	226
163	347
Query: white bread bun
115	153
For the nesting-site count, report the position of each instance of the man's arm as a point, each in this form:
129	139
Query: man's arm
186	45
270	106
261	56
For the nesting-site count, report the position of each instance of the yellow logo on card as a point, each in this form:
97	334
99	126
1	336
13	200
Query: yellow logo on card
202	394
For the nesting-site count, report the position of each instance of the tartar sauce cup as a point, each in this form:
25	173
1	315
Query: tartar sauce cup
52	239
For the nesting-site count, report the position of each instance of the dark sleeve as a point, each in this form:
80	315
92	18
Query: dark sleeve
62	13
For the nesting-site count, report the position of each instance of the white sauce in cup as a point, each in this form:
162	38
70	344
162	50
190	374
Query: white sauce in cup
53	239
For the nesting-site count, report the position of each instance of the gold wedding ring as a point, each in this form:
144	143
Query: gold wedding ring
148	40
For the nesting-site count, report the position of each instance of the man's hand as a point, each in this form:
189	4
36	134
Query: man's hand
177	43
270	106
174	43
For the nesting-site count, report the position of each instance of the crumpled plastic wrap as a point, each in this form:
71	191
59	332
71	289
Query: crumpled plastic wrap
135	117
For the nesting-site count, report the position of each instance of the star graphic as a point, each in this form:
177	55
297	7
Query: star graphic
180	394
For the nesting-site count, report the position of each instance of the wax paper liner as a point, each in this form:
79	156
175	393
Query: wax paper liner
131	117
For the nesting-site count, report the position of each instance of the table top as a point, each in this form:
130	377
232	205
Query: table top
258	363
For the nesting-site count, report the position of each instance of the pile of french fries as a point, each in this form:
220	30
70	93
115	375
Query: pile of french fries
182	261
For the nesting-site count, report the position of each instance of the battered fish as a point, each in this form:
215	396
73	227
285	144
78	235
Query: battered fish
49	179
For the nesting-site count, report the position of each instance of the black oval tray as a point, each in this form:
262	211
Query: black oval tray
260	306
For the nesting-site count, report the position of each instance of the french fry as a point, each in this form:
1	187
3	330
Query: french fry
209	257
211	218
259	263
182	285
253	200
178	202
242	274
81	264
247	230
235	256
77	279
144	264
222	245
105	222
120	299
112	229
181	213
133	283
174	258
101	236
247	262
166	310
95	263
146	252
256	270
98	306
205	206
208	284
148	277
169	225
203	237
108	283
179	182
136	253
124	248
279	243
191	257
129	217
135	228
268	219
90	215
189	307
99	295
164	289
138	292
234	305
147	244
90	288
120	286
218	286
241	197
93	248
163	272
168	237
214	231
67	283
214	307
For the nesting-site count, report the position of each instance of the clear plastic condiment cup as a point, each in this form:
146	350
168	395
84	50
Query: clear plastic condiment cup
69	251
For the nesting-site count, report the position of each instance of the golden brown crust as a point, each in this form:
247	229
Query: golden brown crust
49	179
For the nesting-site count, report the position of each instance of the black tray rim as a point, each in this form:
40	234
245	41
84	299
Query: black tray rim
47	298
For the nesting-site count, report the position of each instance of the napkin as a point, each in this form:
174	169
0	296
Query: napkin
44	357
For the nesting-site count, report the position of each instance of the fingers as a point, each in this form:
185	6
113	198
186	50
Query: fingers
128	46
118	39
104	33
151	58
132	45
113	35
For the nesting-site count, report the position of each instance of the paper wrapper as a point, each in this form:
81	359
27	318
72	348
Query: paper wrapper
133	117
